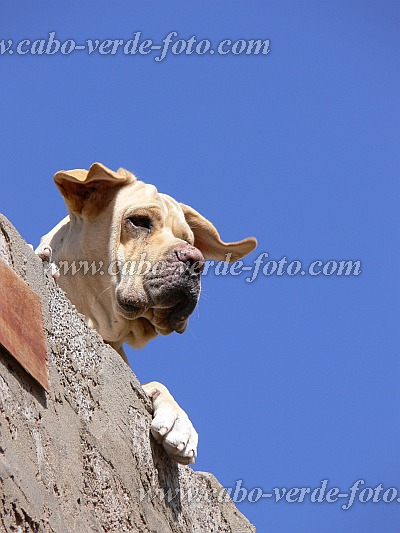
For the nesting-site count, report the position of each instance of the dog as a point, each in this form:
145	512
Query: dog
114	220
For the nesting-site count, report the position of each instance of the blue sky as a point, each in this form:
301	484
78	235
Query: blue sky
289	380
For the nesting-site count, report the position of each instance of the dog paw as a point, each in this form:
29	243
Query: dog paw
45	253
171	426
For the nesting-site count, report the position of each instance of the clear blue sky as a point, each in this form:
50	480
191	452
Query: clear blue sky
289	380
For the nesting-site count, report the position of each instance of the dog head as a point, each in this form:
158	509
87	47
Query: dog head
154	248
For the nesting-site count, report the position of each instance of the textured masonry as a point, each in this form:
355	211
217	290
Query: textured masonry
76	459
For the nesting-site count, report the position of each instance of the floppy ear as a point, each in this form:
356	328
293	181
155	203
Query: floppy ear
208	241
89	192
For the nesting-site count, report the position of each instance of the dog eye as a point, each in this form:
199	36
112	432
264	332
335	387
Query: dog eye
140	221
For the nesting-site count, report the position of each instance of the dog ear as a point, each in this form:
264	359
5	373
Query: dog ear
208	241
88	192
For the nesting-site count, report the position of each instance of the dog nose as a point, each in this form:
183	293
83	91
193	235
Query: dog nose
192	257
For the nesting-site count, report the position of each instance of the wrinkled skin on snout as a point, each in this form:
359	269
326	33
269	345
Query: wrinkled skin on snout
167	293
158	280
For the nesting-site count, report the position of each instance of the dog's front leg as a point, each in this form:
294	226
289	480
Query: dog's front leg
171	426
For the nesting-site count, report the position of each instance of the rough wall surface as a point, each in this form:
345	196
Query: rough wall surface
80	458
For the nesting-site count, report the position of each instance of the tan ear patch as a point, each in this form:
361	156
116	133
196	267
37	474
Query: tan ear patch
208	241
89	192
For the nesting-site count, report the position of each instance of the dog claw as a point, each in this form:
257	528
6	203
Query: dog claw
45	253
